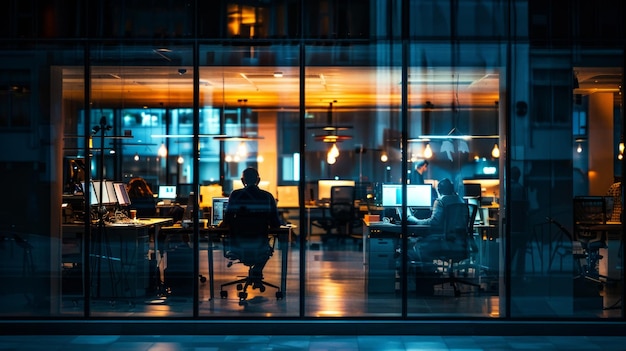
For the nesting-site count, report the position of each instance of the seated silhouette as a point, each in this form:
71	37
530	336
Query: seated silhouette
250	213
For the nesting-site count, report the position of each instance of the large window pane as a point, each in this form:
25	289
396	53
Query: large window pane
249	98
453	125
353	135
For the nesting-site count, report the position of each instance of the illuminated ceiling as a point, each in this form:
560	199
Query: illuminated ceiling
355	87
277	88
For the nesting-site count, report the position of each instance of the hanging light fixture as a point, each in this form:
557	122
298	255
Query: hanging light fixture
332	130
180	160
242	150
495	152
162	150
334	151
332	155
384	157
136	158
428	152
579	148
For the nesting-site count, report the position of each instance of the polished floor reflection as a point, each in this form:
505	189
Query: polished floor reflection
310	343
336	286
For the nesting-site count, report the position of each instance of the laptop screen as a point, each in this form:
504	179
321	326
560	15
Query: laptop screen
218	209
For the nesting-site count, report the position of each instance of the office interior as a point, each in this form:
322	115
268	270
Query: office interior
314	111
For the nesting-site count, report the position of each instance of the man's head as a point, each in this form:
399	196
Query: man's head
445	187
250	176
421	166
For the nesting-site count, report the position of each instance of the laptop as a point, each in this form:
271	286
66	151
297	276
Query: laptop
218	210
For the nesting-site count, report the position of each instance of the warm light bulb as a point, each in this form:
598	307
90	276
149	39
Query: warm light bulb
162	150
260	159
621	147
334	151
620	156
136	157
242	150
384	157
495	152
180	160
579	149
228	158
428	152
330	159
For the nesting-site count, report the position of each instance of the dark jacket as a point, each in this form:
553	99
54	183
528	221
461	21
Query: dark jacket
251	199
436	217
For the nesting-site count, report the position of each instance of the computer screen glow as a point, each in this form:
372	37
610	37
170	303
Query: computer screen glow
417	195
218	209
167	192
324	186
122	195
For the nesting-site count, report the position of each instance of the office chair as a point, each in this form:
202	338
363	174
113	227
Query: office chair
342	215
589	211
457	244
248	243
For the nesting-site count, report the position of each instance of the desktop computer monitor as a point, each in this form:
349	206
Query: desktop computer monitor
288	196
184	191
472	190
122	195
417	195
324	186
107	196
208	192
88	187
167	192
218	209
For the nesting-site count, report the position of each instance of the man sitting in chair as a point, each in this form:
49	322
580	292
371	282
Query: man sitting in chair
250	213
447	196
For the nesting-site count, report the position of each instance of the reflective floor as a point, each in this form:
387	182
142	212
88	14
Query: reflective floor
336	286
317	343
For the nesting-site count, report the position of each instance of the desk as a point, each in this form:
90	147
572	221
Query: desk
124	247
612	263
380	241
213	234
379	252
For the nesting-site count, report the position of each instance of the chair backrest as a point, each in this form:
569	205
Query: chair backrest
342	203
248	237
591	209
456	223
473	211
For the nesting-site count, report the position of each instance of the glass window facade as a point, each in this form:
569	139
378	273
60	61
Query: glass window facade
367	121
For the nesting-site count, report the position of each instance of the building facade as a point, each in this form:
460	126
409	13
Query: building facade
518	103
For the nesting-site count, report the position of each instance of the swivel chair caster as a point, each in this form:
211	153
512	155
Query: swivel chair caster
224	294
243	295
279	295
239	287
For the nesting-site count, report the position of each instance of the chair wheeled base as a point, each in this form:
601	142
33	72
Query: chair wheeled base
243	284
